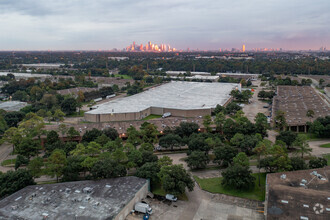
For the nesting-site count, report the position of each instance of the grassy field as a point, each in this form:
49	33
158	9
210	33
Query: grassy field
325	145
213	185
149	117
77	114
8	162
156	189
327	157
123	76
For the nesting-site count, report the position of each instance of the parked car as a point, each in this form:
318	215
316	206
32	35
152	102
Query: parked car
166	114
171	197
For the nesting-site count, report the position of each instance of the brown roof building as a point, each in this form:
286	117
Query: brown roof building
303	194
295	101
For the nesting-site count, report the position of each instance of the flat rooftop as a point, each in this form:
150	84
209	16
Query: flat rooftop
175	95
12	105
101	199
295	101
302	194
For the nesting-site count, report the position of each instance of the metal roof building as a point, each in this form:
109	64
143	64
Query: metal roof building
101	199
186	99
12	105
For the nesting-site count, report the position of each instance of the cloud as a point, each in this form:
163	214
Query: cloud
208	24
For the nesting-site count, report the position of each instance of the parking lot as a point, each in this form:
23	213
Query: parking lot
203	205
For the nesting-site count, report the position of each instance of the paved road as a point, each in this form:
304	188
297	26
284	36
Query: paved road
317	150
5	151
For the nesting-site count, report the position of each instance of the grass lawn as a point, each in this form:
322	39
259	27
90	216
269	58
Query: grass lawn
149	117
213	185
327	157
77	114
124	76
325	145
156	189
8	162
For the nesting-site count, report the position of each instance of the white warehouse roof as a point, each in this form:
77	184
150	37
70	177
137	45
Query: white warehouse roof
175	95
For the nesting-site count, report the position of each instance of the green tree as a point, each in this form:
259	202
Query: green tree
72	133
28	147
224	155
175	179
135	158
149	133
13	118
165	161
111	133
170	141
298	163
56	163
119	155
288	137
185	129
207	121
21	160
260	150
13	181
317	162
58	115
197	160
146	147
302	145
35	166
280	121
261	124
91	135
107	169
149	170
69	106
133	136
219	121
241	159
238	177
71	172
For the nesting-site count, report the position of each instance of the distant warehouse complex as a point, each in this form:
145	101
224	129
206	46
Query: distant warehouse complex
185	99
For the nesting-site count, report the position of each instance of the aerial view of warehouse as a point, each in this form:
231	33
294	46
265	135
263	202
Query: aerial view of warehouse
185	99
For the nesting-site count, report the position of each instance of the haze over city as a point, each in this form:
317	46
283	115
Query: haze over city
206	25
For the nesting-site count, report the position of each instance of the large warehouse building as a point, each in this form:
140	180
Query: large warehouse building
184	99
101	199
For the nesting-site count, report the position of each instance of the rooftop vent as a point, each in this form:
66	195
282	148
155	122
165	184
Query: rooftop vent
87	190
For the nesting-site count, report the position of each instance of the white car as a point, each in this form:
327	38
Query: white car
166	114
171	197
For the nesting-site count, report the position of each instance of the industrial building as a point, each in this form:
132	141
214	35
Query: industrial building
100	199
10	106
183	99
295	101
302	194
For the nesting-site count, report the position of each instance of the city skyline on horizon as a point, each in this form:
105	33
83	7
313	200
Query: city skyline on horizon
207	25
